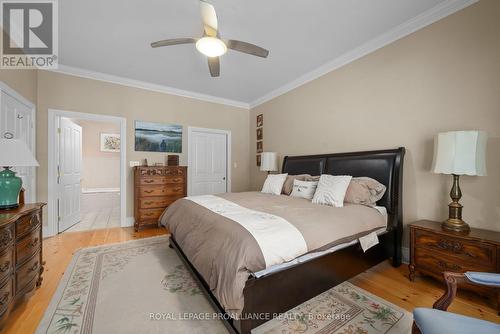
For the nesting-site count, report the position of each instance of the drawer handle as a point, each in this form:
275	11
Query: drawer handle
148	214
148	191
149	181
33	267
148	203
5	298
5	267
446	266
6	237
33	243
176	190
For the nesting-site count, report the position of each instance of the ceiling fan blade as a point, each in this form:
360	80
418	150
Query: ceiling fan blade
209	17
247	48
173	41
214	66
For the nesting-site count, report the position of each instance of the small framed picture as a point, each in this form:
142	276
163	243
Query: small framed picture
258	160
260	147
260	120
110	142
260	134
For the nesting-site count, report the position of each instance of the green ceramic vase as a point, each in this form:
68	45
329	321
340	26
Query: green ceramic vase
10	186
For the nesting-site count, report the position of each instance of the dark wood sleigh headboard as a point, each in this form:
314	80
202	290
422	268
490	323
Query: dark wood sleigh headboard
385	166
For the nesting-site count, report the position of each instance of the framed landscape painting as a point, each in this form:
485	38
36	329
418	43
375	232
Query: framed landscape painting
157	137
110	142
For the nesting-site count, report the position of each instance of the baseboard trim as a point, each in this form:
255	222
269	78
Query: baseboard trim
129	221
406	255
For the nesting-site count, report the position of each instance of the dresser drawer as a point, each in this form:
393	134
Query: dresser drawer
466	250
28	246
26	224
150	214
161	190
161	180
437	263
28	272
6	294
6	236
6	263
151	171
156	202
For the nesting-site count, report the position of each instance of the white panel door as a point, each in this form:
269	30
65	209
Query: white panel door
16	122
69	173
208	162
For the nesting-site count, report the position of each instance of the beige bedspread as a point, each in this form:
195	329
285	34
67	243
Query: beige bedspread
225	253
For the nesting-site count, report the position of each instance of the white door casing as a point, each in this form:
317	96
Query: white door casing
208	161
69	173
52	226
17	120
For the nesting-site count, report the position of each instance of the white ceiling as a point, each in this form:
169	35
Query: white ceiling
113	37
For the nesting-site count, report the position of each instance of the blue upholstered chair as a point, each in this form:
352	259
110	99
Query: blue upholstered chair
438	321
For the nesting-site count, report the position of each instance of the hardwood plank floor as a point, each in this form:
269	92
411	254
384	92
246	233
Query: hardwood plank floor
389	283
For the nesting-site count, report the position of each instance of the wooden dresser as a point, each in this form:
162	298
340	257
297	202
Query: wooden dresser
155	188
433	251
21	264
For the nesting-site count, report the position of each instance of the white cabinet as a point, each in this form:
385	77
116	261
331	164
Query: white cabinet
17	121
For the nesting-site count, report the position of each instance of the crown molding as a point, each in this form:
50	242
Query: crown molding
88	74
432	15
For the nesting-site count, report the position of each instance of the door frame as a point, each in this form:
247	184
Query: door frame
53	150
192	129
14	94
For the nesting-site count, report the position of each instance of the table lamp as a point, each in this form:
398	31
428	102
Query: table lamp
459	153
269	162
13	153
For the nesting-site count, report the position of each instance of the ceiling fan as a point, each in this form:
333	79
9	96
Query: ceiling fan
210	44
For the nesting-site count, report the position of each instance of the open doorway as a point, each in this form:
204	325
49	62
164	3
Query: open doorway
86	172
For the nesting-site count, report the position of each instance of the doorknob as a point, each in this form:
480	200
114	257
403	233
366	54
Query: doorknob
224	178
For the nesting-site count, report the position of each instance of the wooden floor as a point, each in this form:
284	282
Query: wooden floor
389	283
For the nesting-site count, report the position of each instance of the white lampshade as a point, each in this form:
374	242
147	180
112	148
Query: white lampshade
269	162
15	153
460	153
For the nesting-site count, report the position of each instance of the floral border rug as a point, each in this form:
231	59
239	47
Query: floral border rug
141	286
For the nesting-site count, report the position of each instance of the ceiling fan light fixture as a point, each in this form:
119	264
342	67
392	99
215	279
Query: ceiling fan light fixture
211	46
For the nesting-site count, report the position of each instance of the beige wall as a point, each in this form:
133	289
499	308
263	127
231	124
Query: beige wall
444	77
99	169
22	81
58	91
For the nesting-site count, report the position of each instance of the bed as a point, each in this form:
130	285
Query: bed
278	288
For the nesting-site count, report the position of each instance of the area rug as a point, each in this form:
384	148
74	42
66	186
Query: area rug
142	286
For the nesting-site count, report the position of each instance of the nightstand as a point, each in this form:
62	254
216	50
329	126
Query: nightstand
433	251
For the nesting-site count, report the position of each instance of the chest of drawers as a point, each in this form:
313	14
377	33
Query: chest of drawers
21	263
433	251
155	188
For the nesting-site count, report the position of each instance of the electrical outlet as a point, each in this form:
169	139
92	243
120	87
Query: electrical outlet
134	163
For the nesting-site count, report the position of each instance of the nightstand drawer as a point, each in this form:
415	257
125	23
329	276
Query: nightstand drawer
466	250
26	224
28	246
437	263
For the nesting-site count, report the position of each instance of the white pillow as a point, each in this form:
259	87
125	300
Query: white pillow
331	190
274	184
304	189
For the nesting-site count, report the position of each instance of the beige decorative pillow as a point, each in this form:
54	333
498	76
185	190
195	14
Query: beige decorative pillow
365	191
313	178
288	185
